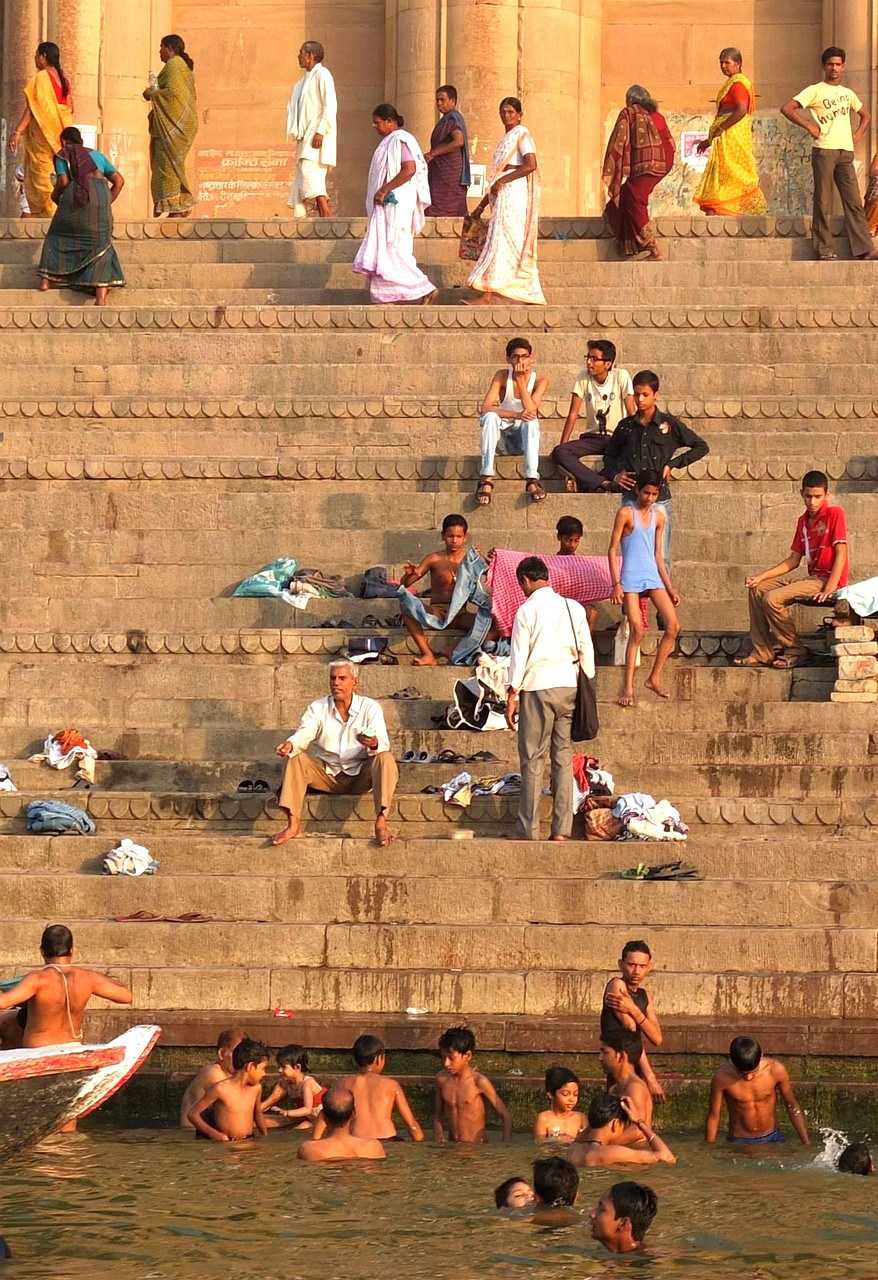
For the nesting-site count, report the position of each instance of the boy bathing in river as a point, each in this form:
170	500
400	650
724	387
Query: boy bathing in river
376	1097
211	1074
234	1105
295	1086
461	1093
338	1142
749	1086
602	1144
562	1122
623	1216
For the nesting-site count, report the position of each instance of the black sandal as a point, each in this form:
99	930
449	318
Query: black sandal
536	491
485	491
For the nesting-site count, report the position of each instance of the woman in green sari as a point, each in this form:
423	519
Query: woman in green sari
173	123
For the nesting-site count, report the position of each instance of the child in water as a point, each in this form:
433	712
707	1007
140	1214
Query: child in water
294	1086
231	1110
562	1122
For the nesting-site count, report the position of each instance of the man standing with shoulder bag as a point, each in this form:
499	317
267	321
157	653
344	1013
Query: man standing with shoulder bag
551	643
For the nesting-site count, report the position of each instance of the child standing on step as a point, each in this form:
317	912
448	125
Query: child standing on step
295	1086
461	1093
637	537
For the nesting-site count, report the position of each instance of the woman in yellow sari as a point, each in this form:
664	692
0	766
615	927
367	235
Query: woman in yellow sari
48	110
173	124
730	183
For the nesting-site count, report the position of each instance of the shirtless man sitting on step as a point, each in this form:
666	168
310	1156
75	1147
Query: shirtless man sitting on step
58	994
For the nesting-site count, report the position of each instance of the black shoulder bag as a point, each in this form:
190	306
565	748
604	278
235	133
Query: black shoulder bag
585	711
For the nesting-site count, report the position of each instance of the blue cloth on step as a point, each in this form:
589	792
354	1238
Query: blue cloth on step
468	589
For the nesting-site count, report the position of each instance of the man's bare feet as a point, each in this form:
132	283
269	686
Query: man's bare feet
558	839
431	297
291	832
656	688
44	285
483	300
627	700
425	660
382	836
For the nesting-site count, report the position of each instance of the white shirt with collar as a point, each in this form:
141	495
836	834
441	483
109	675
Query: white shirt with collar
333	740
546	646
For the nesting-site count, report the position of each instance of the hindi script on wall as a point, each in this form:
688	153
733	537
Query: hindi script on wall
236	180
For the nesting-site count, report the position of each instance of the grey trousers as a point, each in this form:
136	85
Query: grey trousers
545	720
837	167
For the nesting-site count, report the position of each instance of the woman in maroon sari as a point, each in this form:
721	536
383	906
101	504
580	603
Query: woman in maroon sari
639	154
448	159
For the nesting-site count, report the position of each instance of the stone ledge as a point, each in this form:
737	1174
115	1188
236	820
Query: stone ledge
380	407
415	808
435	228
438	318
411	468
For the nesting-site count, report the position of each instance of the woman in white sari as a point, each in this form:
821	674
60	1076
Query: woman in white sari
397	194
508	263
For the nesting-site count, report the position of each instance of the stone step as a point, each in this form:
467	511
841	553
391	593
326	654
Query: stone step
780	854
272	897
416	815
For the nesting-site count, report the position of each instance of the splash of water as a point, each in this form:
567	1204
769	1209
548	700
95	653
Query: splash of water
834	1142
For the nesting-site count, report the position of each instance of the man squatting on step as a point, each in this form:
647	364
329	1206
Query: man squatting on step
350	753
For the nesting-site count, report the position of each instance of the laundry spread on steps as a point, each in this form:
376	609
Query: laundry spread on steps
6	783
61	750
582	578
129	859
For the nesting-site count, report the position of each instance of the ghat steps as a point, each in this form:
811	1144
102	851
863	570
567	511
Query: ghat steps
239	401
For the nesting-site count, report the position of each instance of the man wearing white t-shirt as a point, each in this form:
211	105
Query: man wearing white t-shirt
832	156
608	397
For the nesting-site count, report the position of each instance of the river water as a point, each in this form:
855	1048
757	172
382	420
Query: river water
156	1204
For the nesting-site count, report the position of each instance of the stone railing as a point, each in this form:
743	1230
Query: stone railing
857	652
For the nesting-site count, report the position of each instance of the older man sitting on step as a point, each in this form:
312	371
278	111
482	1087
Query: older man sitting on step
350	753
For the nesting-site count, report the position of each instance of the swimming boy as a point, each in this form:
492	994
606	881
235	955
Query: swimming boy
212	1074
510	420
623	1216
856	1158
627	1005
461	1093
376	1097
444	567
619	1056
569	532
637	537
562	1122
295	1085
514	1193
338	1143
749	1085
600	1145
608	397
556	1186
821	538
234	1104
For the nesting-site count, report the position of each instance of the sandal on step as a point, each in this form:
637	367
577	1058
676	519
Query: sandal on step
139	917
785	662
484	491
536	491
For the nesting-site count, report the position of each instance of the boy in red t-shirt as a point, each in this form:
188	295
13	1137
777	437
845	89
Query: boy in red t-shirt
821	541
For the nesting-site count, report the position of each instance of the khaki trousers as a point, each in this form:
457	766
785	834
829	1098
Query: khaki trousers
378	775
545	724
771	623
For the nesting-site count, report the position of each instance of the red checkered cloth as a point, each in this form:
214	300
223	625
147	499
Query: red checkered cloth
582	578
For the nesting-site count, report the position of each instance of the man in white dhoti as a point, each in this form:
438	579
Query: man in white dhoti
311	119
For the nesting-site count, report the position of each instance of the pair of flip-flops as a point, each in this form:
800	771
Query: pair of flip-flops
664	871
259	785
409	694
336	624
149	917
453	757
416	757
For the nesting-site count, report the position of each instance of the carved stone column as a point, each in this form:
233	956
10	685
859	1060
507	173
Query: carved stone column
22	33
851	24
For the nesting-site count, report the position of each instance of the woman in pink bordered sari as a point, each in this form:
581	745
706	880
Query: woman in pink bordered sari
397	193
508	264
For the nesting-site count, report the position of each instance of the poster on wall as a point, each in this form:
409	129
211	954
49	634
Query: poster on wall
689	140
237	181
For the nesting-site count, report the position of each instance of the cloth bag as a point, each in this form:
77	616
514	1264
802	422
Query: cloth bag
585	711
472	239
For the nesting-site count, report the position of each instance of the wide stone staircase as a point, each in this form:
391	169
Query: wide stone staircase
239	401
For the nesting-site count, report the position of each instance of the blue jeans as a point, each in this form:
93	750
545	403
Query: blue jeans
628	500
508	435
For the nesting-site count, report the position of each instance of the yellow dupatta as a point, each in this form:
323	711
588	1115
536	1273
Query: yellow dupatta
41	141
730	183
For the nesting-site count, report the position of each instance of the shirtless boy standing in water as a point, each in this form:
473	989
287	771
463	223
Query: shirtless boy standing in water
212	1074
750	1085
461	1093
231	1110
442	567
58	994
376	1097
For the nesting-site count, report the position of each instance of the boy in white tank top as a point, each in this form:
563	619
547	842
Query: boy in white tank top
510	420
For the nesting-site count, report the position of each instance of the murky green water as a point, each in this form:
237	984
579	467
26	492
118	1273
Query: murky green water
153	1204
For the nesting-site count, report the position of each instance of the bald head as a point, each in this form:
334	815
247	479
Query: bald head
338	1107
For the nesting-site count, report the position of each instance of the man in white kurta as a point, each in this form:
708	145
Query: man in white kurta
311	120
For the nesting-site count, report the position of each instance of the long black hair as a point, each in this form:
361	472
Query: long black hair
386	111
178	48
52	54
